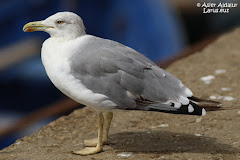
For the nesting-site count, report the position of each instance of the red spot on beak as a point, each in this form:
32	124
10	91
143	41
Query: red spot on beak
29	30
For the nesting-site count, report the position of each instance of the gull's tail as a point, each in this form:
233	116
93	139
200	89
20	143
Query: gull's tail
208	105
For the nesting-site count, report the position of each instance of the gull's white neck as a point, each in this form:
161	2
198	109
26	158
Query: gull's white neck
56	52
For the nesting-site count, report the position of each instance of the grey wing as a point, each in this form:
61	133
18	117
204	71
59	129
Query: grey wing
126	77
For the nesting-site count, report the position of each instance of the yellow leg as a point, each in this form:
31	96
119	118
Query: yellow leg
93	142
109	117
98	148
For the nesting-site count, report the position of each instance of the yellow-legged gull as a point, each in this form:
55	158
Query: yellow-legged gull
107	75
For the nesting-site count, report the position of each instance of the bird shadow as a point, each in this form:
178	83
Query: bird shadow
168	142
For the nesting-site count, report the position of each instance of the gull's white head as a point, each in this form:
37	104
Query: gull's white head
60	25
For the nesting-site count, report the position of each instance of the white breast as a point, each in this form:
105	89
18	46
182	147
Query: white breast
55	57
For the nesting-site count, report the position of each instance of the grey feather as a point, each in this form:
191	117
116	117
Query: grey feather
112	69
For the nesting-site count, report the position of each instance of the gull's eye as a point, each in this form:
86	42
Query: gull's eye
59	22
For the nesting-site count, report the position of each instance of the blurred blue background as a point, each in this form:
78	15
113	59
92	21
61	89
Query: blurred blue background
160	29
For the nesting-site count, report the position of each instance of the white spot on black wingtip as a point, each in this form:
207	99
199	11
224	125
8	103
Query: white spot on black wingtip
190	108
204	112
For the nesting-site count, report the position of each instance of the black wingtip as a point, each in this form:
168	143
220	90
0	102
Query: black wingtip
192	109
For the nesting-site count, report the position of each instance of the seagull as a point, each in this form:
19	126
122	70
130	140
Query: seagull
106	75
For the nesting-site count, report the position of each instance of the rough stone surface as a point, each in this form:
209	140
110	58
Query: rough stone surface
140	135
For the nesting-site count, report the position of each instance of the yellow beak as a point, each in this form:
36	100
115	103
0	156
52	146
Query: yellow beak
35	26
